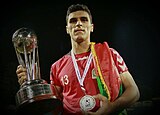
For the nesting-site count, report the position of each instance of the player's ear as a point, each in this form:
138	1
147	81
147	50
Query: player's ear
67	30
92	27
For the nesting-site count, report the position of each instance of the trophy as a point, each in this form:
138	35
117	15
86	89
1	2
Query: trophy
35	96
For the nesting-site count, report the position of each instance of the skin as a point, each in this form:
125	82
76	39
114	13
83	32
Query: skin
130	95
79	27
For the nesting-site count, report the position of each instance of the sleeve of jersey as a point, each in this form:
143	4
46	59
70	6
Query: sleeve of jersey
118	60
53	76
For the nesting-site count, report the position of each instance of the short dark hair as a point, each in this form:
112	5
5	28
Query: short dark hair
78	7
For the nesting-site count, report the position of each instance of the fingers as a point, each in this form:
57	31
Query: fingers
103	106
21	74
103	100
22	80
20	69
100	97
88	113
19	66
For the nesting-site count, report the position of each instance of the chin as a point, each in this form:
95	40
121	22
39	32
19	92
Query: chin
79	40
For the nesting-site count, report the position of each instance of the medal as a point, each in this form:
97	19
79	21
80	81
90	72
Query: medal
87	103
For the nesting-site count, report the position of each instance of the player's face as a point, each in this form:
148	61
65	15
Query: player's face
79	26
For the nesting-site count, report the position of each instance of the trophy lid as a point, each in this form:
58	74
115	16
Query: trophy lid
24	38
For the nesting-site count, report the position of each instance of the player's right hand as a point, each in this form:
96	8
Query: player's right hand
21	74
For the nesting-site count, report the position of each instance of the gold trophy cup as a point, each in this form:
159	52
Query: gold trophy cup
35	96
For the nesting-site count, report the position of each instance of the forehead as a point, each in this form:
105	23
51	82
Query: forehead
78	14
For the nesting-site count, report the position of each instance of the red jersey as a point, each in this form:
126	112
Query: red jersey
63	75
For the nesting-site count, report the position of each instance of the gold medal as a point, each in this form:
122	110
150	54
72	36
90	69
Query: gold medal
87	103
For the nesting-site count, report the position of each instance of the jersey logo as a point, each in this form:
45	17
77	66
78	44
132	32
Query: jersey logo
94	74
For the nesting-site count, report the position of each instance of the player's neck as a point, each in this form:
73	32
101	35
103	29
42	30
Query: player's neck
79	48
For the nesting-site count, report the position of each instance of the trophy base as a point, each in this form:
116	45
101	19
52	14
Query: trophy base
37	98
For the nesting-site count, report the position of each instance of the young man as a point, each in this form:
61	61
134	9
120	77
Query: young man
89	79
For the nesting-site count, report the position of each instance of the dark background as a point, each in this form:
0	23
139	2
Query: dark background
132	28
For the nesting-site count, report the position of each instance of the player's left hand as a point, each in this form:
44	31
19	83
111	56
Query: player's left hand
105	106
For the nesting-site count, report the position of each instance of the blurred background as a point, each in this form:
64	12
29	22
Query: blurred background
132	28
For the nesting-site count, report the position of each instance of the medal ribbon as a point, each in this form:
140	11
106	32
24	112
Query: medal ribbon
81	79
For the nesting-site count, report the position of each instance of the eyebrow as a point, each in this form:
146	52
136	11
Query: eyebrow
81	18
72	20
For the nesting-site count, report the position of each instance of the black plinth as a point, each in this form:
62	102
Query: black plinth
37	98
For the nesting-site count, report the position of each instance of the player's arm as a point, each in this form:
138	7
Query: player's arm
130	95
